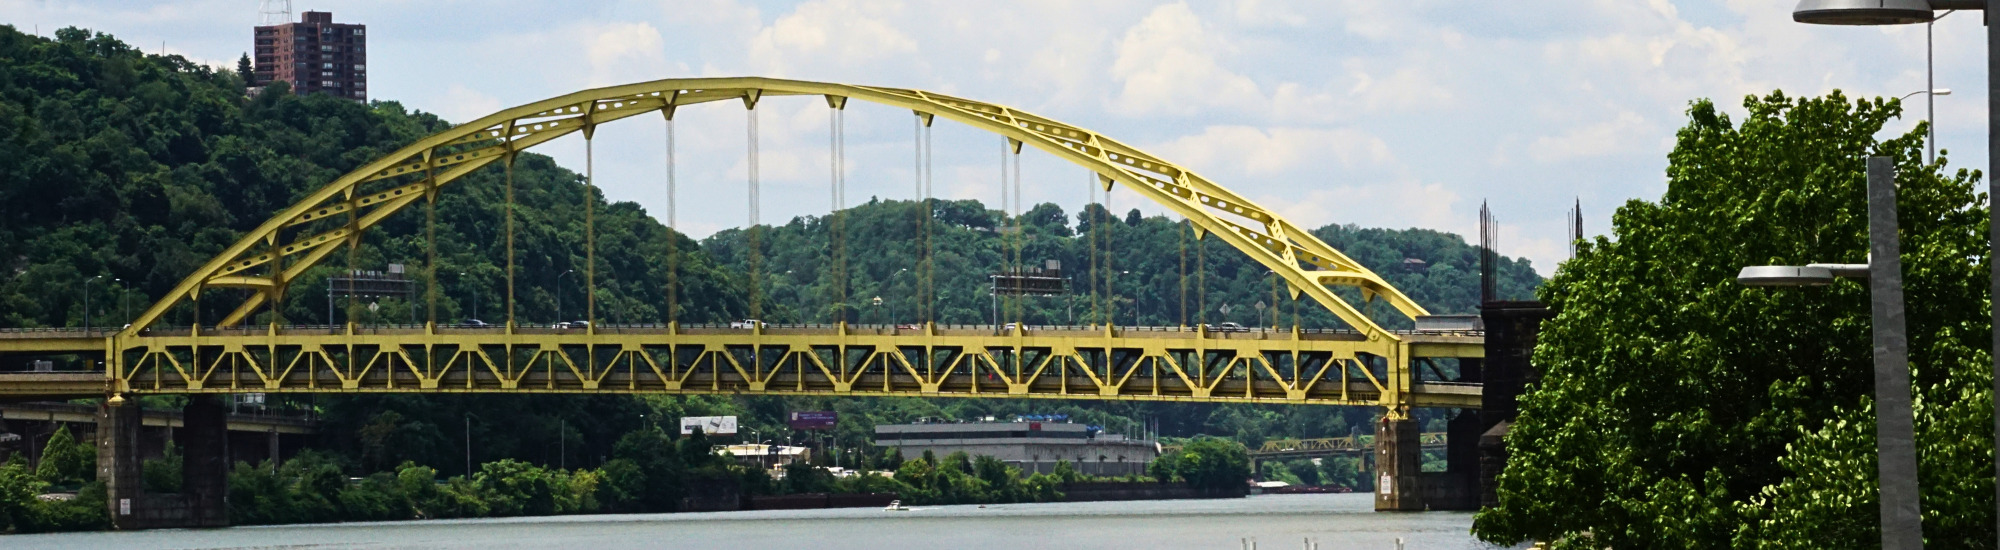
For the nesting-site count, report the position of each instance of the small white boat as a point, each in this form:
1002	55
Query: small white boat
896	506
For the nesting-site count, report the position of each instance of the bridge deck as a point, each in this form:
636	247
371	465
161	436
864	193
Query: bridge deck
1141	363
86	414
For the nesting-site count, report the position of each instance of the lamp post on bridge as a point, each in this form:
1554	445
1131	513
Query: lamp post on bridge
124	300
559	315
1900	12
86	302
475	297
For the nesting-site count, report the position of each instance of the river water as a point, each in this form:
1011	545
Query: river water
1276	522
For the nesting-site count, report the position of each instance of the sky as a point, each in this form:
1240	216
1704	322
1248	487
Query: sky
1381	114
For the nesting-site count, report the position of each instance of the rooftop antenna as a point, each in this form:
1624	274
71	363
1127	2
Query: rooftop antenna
274	12
1575	226
1489	245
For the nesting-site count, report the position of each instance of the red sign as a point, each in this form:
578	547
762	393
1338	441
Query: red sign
812	420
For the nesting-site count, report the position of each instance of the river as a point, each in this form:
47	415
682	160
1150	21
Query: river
1276	522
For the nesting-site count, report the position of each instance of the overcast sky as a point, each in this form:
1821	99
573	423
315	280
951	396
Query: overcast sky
1403	113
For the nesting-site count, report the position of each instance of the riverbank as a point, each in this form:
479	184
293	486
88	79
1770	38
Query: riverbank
1337	522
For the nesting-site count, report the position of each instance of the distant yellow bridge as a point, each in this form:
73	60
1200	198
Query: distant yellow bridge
253	349
1329	446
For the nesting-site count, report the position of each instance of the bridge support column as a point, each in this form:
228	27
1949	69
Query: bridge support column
204	469
1457	488
118	464
1399	464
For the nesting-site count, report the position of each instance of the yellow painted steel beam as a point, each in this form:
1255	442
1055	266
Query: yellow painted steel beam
268	258
1307	264
936	361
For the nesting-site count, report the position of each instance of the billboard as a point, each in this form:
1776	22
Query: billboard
711	425
812	420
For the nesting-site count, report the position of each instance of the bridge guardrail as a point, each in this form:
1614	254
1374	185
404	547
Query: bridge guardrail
79	332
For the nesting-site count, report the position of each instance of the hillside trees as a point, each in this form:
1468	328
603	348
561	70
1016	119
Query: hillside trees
138	168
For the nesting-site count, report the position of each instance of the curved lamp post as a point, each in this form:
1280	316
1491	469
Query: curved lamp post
559	317
1901	12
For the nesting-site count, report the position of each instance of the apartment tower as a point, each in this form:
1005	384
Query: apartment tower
315	55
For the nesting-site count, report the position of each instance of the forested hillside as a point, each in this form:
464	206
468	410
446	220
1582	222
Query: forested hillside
138	168
121	172
1155	264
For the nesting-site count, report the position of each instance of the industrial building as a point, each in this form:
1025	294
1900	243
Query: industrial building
1034	447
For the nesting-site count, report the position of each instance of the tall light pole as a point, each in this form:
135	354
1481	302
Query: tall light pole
1895	446
1930	117
1930	81
124	307
86	301
1899	12
1136	295
468	445
559	317
475	297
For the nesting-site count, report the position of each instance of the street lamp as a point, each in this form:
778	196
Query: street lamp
559	317
1136	295
86	301
1895	448
1895	12
475	297
1930	114
124	301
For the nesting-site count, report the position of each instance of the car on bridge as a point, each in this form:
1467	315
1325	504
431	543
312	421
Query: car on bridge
1227	327
570	325
747	323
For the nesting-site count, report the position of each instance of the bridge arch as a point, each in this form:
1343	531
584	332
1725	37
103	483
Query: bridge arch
267	258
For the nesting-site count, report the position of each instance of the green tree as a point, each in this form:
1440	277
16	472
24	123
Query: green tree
657	472
1679	409
66	461
163	475
245	72
1214	464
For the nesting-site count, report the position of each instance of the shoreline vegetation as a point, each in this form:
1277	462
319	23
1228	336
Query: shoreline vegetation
649	472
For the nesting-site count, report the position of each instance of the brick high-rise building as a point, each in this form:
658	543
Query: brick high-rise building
315	55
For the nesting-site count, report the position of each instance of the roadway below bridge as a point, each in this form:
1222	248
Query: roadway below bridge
1299	366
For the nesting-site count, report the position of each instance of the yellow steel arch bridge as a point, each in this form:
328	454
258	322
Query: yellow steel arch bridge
1364	365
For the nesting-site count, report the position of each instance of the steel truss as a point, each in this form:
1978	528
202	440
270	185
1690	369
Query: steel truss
1276	367
267	259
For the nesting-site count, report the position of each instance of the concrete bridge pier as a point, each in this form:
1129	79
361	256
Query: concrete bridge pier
1400	482
204	473
1399	465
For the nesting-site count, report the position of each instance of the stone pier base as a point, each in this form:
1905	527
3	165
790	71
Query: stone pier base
203	501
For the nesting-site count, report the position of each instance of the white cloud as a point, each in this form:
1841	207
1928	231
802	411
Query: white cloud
1167	63
1595	140
1259	152
462	104
840	32
619	53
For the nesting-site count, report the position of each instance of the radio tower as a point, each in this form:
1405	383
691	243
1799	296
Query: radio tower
274	12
